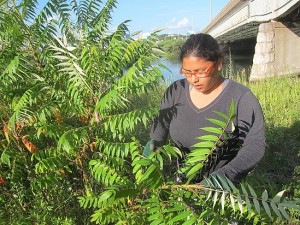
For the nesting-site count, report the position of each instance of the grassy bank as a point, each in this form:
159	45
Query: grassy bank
279	98
280	167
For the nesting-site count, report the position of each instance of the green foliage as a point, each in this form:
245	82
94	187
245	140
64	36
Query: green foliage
68	88
139	191
70	106
279	169
210	146
171	45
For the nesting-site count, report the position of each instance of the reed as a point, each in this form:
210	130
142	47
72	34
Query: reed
280	167
279	98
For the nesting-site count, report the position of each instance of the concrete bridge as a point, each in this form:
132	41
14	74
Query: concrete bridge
266	30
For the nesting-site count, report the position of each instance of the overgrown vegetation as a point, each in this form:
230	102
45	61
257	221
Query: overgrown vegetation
67	90
170	44
280	166
75	106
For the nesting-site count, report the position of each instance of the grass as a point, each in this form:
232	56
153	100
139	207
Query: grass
280	167
279	98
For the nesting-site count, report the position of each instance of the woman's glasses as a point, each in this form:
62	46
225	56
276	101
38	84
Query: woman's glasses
197	73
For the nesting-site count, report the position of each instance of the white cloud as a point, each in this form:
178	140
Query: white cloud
145	34
183	23
142	35
180	24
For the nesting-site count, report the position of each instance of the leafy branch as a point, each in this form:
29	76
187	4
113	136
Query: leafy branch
158	199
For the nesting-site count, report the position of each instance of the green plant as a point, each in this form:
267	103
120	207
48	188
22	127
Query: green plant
279	168
171	46
67	84
138	191
68	114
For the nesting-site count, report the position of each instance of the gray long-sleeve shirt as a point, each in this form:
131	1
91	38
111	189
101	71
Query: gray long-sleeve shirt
182	120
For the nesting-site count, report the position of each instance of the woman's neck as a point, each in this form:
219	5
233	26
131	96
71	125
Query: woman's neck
202	99
217	87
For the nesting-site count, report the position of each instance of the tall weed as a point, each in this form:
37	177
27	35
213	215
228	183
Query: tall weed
279	98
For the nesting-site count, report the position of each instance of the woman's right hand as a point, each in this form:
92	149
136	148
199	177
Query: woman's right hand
149	148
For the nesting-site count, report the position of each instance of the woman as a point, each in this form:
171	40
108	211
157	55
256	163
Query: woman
188	102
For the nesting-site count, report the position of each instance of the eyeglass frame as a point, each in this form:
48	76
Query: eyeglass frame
202	74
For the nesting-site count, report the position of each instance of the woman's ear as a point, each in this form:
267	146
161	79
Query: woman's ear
220	64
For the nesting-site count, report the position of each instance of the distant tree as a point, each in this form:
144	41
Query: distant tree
170	45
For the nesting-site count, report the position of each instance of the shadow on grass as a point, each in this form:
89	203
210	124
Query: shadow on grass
280	167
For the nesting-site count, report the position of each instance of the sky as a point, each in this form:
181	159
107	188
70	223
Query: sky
174	16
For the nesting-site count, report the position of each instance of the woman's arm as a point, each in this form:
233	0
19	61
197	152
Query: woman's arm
160	128
252	133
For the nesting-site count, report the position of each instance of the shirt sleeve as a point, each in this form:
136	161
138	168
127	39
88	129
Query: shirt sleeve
252	134
160	128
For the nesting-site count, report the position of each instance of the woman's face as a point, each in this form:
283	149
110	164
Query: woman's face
200	73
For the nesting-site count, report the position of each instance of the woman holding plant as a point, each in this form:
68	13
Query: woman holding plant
189	102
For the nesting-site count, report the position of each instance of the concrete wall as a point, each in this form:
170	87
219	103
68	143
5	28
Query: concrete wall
287	50
277	52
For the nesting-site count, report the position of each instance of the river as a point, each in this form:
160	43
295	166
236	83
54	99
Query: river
238	68
174	67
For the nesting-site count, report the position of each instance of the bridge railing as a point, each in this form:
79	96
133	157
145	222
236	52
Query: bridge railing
240	12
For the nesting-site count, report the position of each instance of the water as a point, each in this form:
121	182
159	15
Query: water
239	66
174	67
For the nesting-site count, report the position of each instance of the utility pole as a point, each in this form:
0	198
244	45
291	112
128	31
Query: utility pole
210	10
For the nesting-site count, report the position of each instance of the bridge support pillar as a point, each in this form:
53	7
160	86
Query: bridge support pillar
276	52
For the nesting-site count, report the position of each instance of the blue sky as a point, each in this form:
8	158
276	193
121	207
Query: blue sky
175	16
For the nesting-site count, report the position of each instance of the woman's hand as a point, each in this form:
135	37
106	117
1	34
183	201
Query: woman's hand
149	148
